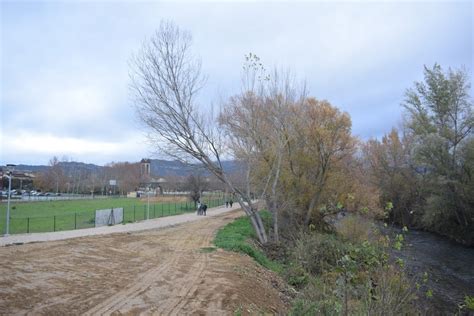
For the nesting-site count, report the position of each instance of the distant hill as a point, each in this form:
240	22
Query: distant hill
163	168
159	167
68	167
30	168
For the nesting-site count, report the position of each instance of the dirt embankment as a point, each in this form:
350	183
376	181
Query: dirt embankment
167	271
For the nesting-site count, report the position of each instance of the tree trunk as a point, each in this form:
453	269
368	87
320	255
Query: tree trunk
312	204
255	217
274	203
244	200
275	227
257	222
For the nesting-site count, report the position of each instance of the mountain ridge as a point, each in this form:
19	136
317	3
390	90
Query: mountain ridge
159	167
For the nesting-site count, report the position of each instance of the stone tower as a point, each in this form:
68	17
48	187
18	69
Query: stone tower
145	168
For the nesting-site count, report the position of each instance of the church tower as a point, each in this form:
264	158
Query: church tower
145	168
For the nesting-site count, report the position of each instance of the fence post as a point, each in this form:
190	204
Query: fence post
162	210
75	220
175	208
28	226
154	209
54	223
134	213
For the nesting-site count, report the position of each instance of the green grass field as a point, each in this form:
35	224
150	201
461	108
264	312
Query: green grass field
47	216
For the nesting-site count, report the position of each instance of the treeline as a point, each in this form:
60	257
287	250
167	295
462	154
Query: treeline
426	170
306	164
64	177
299	153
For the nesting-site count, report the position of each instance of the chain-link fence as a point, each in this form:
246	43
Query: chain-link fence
79	220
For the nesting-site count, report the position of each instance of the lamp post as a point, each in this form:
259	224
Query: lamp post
148	203
9	176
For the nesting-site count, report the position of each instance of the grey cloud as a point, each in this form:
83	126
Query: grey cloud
360	56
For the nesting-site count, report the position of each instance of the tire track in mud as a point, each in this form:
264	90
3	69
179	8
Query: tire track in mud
142	284
185	265
163	272
188	284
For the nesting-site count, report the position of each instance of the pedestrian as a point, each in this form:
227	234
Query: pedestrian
204	208
231	202
199	208
226	204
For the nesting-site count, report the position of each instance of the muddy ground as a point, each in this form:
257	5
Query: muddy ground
168	271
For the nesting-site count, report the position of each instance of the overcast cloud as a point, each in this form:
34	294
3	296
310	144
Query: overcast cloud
64	65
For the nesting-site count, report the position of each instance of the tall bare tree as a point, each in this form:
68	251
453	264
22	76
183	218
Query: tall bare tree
166	78
257	122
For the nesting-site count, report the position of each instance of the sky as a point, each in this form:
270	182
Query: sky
65	87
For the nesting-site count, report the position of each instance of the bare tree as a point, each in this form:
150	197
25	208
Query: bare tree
53	178
166	78
196	184
258	121
127	174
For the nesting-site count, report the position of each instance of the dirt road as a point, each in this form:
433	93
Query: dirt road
167	272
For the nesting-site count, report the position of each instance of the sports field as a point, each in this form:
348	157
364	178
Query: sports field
47	216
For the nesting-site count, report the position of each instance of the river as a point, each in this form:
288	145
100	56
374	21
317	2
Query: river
450	268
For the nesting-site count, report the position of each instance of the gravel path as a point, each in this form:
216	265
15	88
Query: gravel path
104	230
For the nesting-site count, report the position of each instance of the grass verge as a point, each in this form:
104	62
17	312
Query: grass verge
237	236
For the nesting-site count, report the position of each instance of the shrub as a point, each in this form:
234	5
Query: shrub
296	275
318	298
347	277
317	252
389	292
354	228
469	303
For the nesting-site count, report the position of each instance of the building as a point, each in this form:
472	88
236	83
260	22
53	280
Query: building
145	168
21	180
147	181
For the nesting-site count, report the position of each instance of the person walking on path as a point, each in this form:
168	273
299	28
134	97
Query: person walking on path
199	207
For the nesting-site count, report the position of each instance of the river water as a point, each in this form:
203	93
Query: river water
450	268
